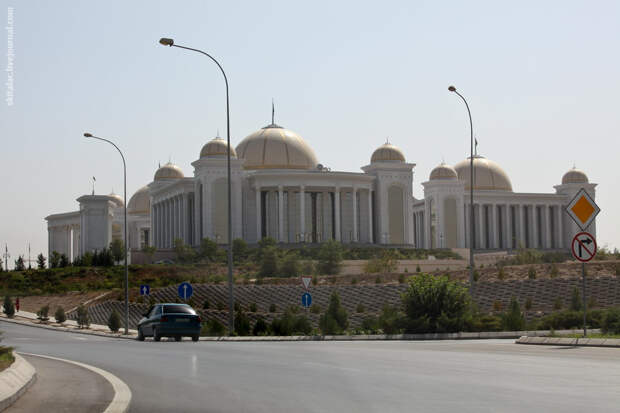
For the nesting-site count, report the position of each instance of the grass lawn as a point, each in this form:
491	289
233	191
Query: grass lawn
6	357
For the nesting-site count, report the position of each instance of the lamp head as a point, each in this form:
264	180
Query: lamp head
166	42
451	88
88	135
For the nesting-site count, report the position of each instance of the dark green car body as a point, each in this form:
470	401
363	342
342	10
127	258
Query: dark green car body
170	320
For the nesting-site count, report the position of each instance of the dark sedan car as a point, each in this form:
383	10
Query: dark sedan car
170	320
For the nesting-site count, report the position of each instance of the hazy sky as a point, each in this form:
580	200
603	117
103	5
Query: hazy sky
542	80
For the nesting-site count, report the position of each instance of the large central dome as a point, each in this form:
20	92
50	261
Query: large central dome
274	147
488	175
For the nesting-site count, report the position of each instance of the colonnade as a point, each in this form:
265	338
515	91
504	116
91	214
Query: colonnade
171	221
64	239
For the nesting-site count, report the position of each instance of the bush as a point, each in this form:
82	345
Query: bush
213	327
260	327
497	305
205	304
390	320
360	308
269	262
501	274
531	273
43	313
252	308
315	309
242	323
330	257
387	262
401	278
557	304
610	323
291	266
335	319
370	325
378	280
208	248
9	307
528	304
60	315
272	308
114	321
220	306
513	319
575	300
435	304
553	271
488	322
290	323
83	319
240	249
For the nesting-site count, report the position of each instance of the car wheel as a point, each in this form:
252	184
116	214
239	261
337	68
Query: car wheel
195	338
178	338
156	335
140	334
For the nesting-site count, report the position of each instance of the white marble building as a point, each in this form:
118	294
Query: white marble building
280	190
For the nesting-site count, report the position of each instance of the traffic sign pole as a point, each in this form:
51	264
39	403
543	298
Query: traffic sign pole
585	310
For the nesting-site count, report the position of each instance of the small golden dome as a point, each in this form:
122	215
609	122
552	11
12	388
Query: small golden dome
216	148
575	176
387	153
443	172
117	199
168	171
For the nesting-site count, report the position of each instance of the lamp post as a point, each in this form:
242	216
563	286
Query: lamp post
472	229
88	135
231	321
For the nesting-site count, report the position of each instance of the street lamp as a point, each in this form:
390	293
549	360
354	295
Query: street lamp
88	135
231	321
472	229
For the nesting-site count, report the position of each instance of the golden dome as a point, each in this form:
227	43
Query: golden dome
575	176
488	175
117	199
274	147
387	153
443	172
216	148
168	171
140	202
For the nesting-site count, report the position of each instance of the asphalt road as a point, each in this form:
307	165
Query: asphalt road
438	376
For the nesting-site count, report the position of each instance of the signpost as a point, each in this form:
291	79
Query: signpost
185	290
582	209
145	290
306	300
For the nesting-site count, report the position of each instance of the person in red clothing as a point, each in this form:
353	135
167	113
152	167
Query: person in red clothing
17	304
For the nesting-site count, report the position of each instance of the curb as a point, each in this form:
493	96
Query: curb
122	394
570	341
362	337
15	380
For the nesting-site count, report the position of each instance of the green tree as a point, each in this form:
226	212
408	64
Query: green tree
149	251
41	261
242	323
117	248
114	321
435	304
291	323
335	319
330	257
184	252
575	300
9	307
269	262
240	249
64	261
43	313
19	264
291	266
390	320
513	319
213	327
260	327
60	315
1	265
208	248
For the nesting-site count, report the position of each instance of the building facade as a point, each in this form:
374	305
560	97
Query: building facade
280	190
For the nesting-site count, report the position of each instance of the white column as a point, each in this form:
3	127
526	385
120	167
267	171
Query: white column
370	240
258	214
280	213
337	211
509	234
184	219
481	226
547	227
354	207
494	227
521	239
302	213
534	225
560	229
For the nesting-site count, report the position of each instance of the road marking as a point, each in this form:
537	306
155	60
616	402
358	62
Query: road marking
122	394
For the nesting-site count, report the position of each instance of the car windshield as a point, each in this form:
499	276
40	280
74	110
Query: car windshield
184	309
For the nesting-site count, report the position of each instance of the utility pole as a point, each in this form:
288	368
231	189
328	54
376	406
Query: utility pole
6	257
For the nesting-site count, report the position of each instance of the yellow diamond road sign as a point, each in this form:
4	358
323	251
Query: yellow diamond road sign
582	209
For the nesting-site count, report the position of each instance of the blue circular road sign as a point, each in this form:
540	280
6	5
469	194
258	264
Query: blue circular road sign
185	290
306	300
